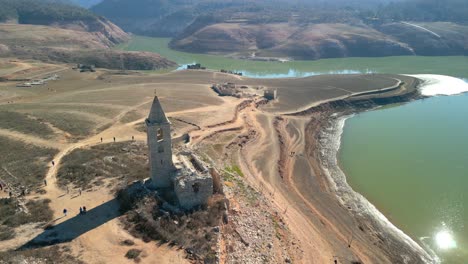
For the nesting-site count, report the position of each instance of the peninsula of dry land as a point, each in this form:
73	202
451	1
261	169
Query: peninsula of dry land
284	203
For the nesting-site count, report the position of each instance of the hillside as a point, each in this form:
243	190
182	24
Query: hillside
60	32
327	40
61	15
298	29
47	43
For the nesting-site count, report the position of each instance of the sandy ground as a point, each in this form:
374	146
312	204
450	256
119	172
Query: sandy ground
271	151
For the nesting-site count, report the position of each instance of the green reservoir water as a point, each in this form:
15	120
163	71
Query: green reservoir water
455	66
411	161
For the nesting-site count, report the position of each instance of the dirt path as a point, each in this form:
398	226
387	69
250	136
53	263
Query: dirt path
109	234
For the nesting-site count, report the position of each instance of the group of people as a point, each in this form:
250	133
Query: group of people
82	211
133	139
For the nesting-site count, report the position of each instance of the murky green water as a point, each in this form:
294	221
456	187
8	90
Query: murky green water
455	66
411	161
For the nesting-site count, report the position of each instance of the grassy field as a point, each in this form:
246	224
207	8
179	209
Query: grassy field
25	124
73	124
23	164
10	216
87	167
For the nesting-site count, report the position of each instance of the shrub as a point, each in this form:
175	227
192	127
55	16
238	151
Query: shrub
133	253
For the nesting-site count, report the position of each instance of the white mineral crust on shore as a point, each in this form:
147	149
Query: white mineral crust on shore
441	85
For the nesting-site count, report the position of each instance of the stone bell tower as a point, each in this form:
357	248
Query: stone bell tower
160	146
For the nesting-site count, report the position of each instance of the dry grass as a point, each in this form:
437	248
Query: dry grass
131	116
14	215
23	164
6	233
195	232
23	123
86	167
75	125
46	255
32	108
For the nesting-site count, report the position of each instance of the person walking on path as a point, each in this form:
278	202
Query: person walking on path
53	163
80	192
101	140
65	212
133	138
84	209
68	190
45	182
114	139
81	211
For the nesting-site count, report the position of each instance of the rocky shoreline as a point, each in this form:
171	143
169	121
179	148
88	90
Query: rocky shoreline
326	135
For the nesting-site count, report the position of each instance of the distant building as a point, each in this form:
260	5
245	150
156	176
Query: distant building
85	68
270	94
196	66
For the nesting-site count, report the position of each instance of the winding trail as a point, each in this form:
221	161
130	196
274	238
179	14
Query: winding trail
109	234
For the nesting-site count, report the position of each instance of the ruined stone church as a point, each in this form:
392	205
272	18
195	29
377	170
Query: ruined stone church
183	173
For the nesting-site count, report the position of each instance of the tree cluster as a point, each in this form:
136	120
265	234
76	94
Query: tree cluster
42	12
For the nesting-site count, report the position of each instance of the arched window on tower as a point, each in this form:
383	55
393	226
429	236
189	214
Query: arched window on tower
159	134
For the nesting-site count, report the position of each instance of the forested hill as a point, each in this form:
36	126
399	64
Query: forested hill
59	13
426	10
171	17
42	12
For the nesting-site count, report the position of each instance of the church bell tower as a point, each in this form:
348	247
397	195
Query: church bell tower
160	146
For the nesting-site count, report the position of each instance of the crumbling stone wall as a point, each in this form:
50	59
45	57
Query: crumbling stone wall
193	190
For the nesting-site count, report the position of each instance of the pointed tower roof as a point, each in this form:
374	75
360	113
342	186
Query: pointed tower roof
157	114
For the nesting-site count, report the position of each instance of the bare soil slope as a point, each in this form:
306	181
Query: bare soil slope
326	40
77	43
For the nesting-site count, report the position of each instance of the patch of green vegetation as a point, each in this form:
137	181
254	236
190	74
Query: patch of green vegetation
234	175
234	169
42	12
87	167
13	215
23	164
277	227
22	123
